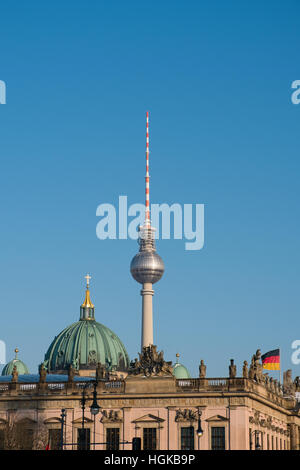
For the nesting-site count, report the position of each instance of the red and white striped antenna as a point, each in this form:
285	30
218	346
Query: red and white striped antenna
147	210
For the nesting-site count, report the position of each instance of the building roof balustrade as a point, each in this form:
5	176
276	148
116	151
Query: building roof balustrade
63	387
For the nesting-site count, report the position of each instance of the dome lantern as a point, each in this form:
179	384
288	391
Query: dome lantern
87	309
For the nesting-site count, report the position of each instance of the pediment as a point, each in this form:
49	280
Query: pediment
26	421
52	420
79	420
217	418
148	419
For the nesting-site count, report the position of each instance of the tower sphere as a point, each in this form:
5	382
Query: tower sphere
147	266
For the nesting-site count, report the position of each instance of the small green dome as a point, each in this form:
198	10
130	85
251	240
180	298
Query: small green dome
21	367
83	345
180	371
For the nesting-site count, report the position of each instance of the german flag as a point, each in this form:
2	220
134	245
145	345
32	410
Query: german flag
271	360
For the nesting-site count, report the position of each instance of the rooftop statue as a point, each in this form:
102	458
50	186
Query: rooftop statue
151	363
288	384
245	370
256	368
202	370
297	383
232	369
251	370
100	371
71	373
15	374
42	373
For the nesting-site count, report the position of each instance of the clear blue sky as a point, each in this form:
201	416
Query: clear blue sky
216	77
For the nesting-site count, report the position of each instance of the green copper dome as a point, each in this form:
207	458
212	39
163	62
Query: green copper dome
21	367
180	371
86	343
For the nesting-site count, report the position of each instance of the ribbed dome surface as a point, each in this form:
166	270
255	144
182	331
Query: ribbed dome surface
21	367
84	344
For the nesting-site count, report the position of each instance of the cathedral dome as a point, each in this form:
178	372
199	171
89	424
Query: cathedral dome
20	366
180	371
86	343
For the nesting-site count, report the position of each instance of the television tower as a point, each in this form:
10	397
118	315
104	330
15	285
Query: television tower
147	267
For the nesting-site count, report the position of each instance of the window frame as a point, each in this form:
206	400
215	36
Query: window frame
180	437
144	428
216	426
50	430
89	442
109	429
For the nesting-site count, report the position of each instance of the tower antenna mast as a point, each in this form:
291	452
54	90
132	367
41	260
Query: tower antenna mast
147	178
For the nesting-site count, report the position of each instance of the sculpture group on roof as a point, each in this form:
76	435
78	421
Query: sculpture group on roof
151	363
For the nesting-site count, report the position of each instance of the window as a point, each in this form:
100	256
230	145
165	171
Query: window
27	439
268	442
112	438
272	442
250	439
149	435
54	439
187	438
83	439
218	438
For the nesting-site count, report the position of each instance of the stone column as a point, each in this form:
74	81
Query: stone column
238	427
172	437
127	431
69	434
294	437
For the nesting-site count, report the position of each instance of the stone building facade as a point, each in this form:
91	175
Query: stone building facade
236	413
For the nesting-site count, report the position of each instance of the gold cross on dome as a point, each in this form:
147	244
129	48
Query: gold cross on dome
88	278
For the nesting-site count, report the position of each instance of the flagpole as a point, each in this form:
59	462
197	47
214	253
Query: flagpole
279	364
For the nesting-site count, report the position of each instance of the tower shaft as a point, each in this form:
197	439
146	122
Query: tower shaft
147	316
